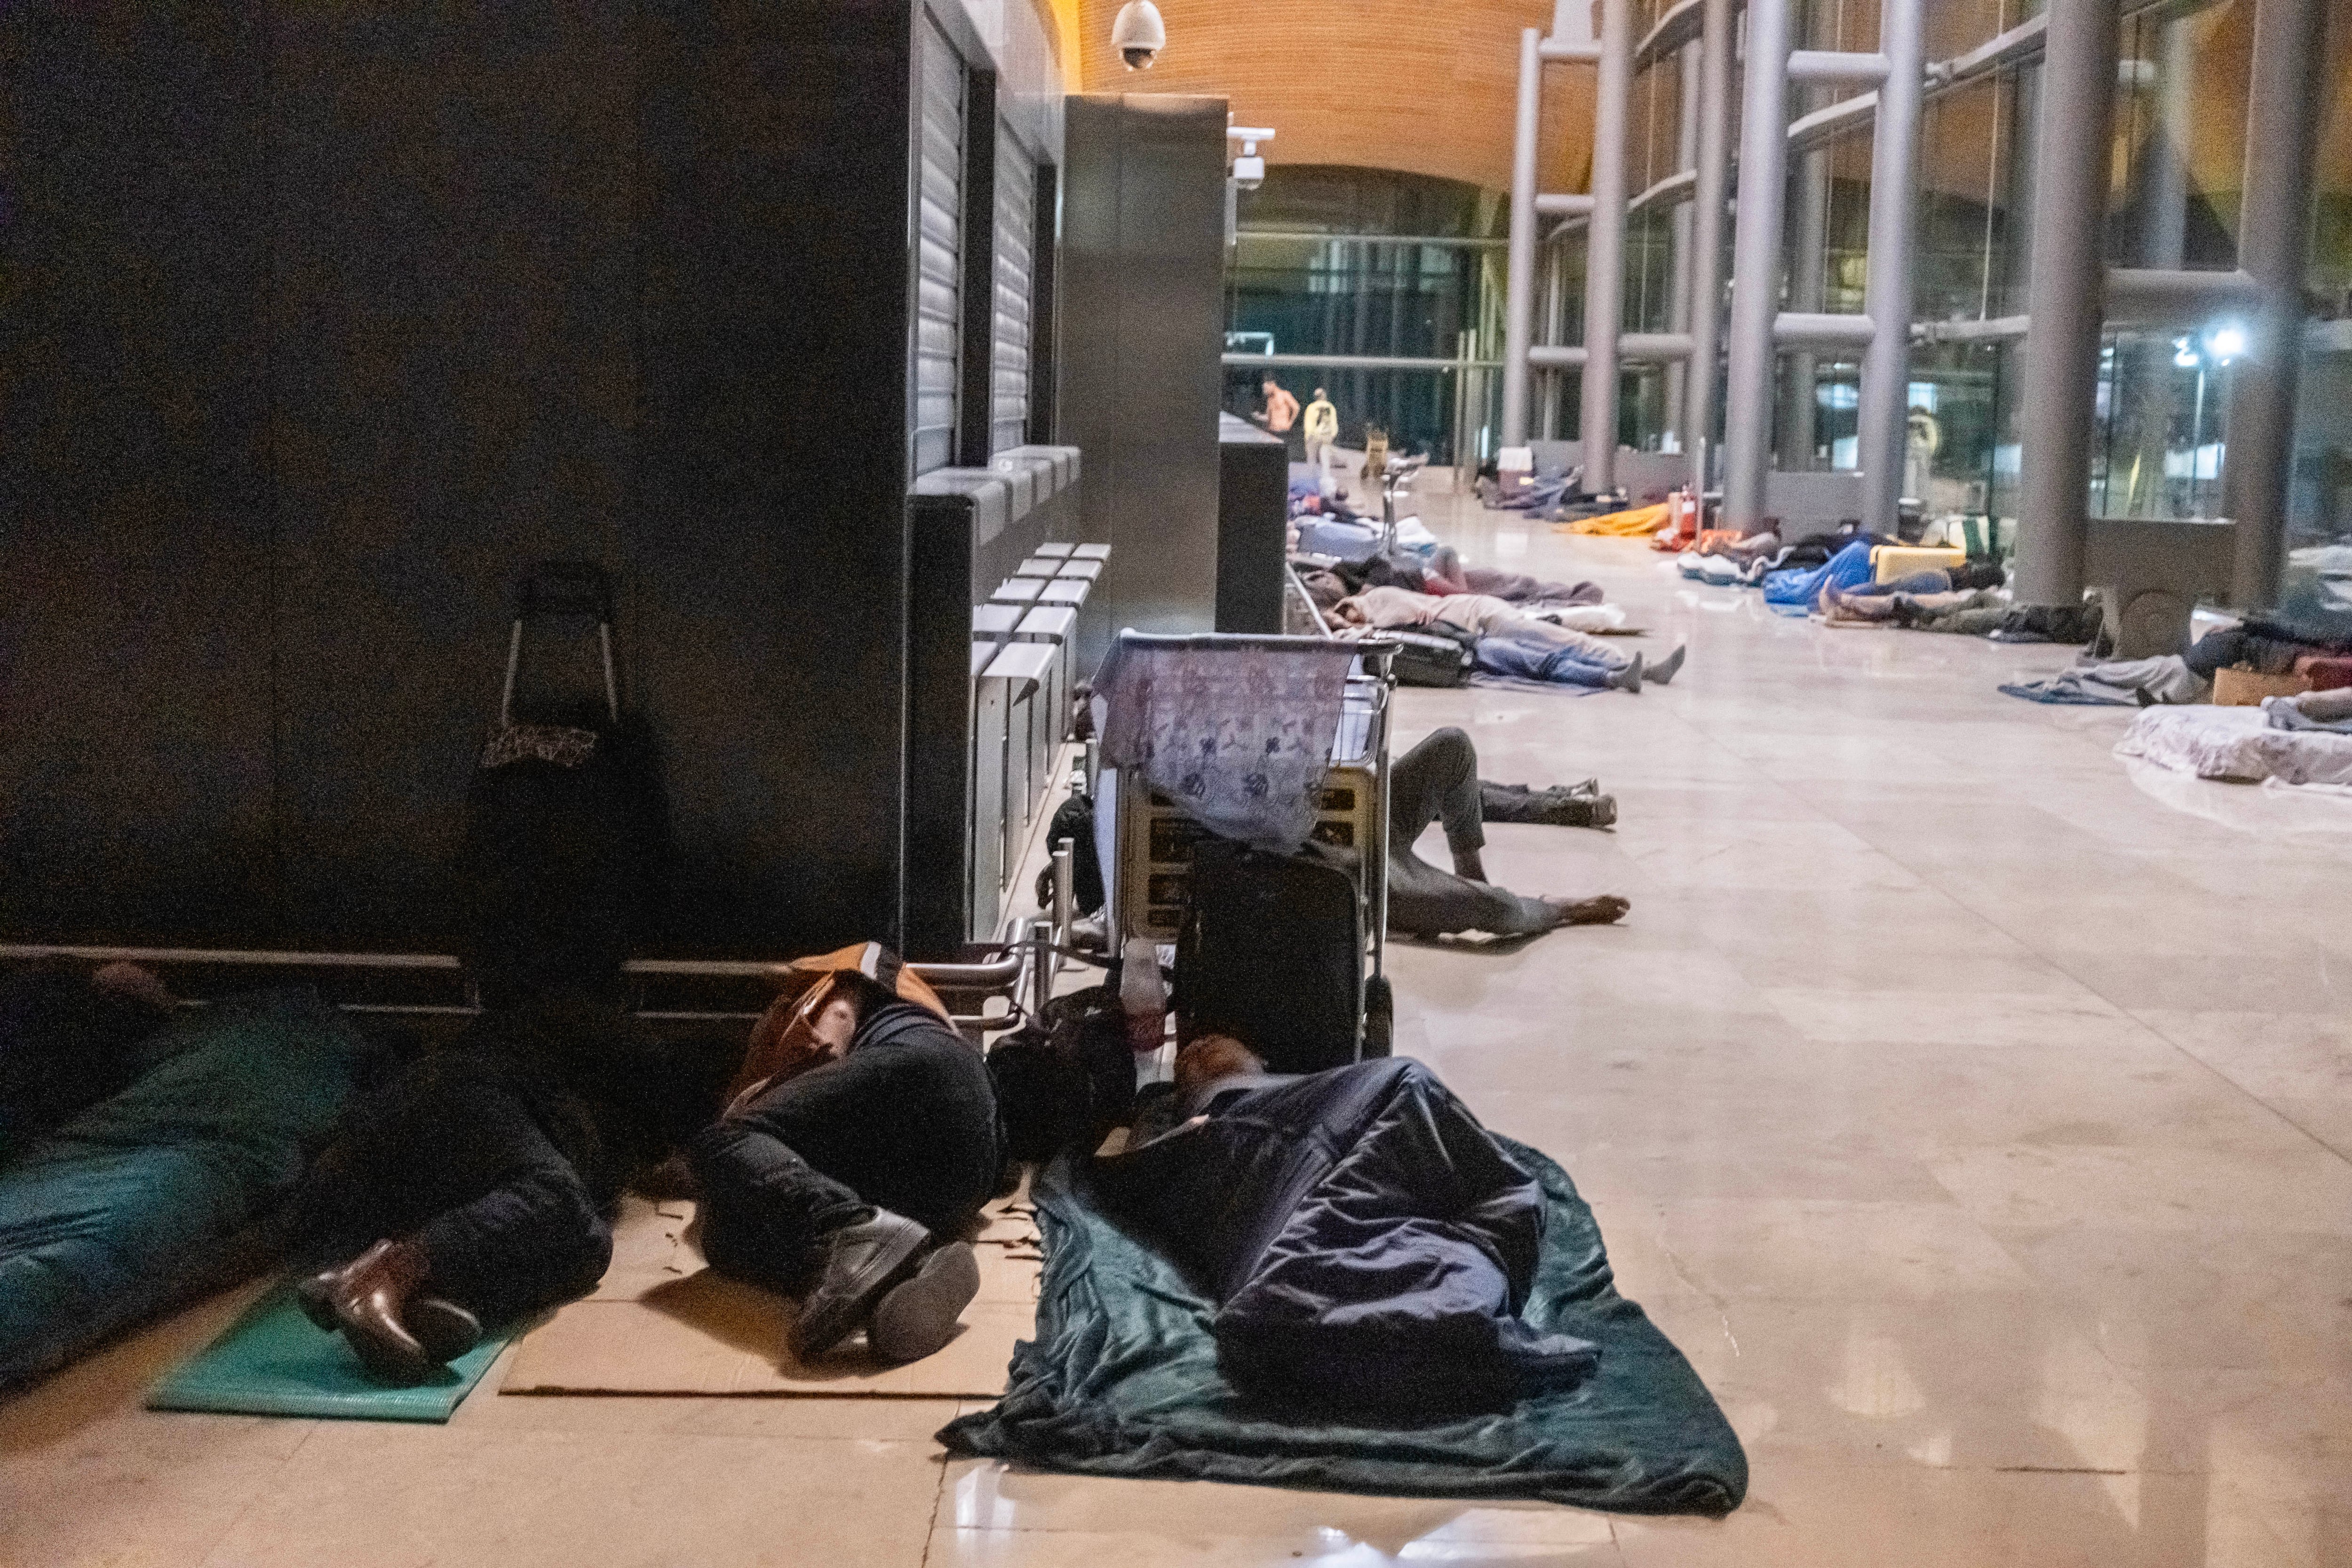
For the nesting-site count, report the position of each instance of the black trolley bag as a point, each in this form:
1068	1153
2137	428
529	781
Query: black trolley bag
564	843
1272	953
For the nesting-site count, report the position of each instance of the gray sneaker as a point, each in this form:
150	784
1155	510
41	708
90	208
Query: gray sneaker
919	1317
861	1263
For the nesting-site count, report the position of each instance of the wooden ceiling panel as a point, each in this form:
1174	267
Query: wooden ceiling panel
1423	89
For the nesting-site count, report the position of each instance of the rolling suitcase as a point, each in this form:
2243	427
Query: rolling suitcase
1272	953
564	839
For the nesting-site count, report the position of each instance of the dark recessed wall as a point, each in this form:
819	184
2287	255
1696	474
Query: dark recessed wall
320	321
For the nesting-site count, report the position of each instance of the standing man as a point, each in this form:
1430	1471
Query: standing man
1322	429
1281	413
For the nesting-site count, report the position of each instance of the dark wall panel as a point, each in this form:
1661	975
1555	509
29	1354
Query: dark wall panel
771	555
134	510
455	375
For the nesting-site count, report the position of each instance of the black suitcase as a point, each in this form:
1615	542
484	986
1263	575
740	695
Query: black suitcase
1272	953
1429	659
565	839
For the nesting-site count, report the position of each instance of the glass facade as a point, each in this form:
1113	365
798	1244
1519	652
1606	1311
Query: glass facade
2180	154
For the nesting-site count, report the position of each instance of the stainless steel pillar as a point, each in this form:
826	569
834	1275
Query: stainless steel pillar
1799	374
1707	230
1545	425
1756	263
1519	290
2065	290
1604	254
2273	241
1678	305
1884	422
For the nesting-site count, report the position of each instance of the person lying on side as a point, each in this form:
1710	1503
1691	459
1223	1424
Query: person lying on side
1522	646
475	1187
1369	1245
1437	782
861	1136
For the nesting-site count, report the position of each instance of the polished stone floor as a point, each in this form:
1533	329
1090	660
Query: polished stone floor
1975	1116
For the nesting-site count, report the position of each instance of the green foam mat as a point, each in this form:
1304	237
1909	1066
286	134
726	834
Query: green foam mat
275	1362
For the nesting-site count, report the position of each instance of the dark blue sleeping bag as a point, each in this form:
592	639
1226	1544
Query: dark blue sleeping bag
139	1202
1369	1243
1133	1371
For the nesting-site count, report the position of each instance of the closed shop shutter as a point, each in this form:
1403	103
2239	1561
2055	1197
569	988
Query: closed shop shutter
939	234
1016	217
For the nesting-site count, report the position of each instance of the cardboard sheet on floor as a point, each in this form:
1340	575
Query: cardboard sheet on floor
663	1322
274	1361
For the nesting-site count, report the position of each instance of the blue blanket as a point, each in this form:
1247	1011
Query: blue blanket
1123	1380
135	1203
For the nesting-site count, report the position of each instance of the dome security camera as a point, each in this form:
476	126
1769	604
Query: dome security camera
1139	33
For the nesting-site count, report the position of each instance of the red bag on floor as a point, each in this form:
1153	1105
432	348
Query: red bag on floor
2326	671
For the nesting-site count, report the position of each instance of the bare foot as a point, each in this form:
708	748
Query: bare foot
1606	909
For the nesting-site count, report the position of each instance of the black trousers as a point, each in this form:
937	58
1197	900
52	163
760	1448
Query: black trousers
905	1121
1437	781
489	1164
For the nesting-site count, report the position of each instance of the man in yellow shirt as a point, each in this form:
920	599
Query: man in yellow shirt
1322	428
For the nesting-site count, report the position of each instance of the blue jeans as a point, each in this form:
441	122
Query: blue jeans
1539	661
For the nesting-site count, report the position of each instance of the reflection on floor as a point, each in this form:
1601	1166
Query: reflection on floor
1978	1122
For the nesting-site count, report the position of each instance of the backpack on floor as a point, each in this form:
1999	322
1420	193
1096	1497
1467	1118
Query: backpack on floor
1065	1082
1272	953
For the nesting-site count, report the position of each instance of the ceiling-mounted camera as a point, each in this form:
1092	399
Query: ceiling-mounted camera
1139	33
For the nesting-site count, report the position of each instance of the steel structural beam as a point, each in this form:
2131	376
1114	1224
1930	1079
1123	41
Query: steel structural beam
1519	286
1604	265
1706	232
2273	239
1756	265
1883	423
2065	287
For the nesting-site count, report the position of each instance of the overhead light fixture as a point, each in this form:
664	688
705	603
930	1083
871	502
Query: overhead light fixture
1139	33
2226	342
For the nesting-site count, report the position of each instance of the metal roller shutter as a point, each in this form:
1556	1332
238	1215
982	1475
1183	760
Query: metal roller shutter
1016	215
939	234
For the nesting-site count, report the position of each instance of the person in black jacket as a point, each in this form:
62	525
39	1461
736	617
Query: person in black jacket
475	1187
862	1137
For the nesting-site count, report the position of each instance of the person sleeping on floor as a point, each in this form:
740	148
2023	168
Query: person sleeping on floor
1511	643
476	1186
1437	783
1369	1245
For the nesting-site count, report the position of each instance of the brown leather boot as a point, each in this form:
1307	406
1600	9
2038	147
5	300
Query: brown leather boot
399	1336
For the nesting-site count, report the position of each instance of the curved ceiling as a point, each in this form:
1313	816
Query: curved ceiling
1426	89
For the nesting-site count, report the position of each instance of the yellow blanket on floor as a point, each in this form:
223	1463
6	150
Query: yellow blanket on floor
1639	524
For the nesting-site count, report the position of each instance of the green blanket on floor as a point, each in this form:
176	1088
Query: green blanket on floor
1122	1380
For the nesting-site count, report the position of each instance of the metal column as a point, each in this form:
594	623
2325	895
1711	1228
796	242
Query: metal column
1706	229
1678	305
1799	375
1884	422
2273	240
1604	257
1519	295
2065	290
1756	263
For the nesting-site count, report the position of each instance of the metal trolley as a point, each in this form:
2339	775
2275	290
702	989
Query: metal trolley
1146	843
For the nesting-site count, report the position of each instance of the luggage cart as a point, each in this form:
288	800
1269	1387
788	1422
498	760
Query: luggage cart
1146	844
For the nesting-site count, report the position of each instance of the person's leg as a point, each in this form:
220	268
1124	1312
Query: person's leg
843	1179
765	1210
1420	780
1424	901
443	1205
